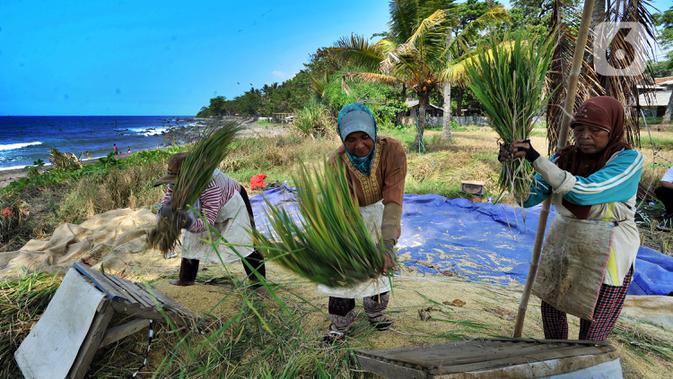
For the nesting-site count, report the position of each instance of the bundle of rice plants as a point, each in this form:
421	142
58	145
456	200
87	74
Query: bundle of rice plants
508	79
195	174
330	243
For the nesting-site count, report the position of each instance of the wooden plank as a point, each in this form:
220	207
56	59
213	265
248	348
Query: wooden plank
136	310
483	353
138	290
388	370
459	352
121	331
92	341
53	344
100	281
515	359
128	289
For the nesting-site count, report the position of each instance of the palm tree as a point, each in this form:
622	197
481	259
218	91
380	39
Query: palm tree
417	53
460	47
414	64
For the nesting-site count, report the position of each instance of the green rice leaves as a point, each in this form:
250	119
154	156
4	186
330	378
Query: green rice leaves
508	78
331	244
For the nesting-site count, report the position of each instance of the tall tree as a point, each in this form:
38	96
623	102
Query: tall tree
470	22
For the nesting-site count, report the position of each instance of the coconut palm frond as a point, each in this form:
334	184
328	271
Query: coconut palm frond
357	50
461	43
372	77
432	27
330	244
455	72
384	46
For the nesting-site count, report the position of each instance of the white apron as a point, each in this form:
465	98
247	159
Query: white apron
373	217
232	223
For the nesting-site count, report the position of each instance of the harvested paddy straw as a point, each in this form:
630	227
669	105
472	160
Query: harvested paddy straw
331	244
195	174
508	79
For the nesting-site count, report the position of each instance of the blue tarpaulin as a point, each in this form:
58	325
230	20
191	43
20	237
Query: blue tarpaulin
478	241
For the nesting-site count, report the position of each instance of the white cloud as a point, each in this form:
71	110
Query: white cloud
282	75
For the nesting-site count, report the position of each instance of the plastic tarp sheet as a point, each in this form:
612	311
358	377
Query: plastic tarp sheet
477	241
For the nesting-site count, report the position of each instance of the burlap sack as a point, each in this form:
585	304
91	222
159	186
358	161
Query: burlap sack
572	265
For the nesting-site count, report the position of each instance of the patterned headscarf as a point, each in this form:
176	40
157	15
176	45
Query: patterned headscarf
356	117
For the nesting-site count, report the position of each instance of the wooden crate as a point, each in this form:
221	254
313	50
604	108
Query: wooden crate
78	322
472	187
496	358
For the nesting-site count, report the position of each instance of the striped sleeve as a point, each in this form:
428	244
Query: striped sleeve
539	192
168	195
220	190
539	189
617	181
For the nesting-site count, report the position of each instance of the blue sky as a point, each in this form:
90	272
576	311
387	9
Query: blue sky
161	57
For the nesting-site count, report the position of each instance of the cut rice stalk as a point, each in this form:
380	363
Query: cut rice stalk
195	174
331	243
508	79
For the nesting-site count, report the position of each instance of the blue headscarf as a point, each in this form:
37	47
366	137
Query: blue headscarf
356	117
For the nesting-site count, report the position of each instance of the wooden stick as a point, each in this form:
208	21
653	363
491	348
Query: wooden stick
578	58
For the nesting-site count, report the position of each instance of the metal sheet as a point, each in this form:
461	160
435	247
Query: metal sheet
52	345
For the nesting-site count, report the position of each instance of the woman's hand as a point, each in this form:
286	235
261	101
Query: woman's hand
182	217
524	149
389	261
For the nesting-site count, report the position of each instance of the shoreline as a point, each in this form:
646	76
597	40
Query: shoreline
183	135
11	175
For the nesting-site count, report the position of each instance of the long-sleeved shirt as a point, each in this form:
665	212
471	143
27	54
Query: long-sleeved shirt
220	190
386	182
611	193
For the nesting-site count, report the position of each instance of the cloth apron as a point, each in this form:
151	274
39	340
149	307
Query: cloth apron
232	223
373	218
573	263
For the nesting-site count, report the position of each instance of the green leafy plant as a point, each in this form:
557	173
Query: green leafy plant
314	120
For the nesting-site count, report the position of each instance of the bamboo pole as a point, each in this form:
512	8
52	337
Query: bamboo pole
578	58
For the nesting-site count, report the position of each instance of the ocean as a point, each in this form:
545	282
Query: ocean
24	139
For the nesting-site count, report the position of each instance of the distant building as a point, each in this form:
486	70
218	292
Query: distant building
433	114
654	99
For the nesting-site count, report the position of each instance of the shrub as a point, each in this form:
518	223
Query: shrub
314	120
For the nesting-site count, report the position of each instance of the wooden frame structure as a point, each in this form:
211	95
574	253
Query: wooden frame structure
134	303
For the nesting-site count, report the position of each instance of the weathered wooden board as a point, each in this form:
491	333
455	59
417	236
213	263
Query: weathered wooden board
489	358
52	346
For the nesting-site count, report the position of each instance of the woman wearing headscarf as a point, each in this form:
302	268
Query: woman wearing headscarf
224	206
590	251
376	168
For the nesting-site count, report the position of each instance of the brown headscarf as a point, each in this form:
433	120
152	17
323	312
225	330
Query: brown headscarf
604	112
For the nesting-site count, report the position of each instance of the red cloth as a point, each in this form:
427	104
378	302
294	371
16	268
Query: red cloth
257	181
